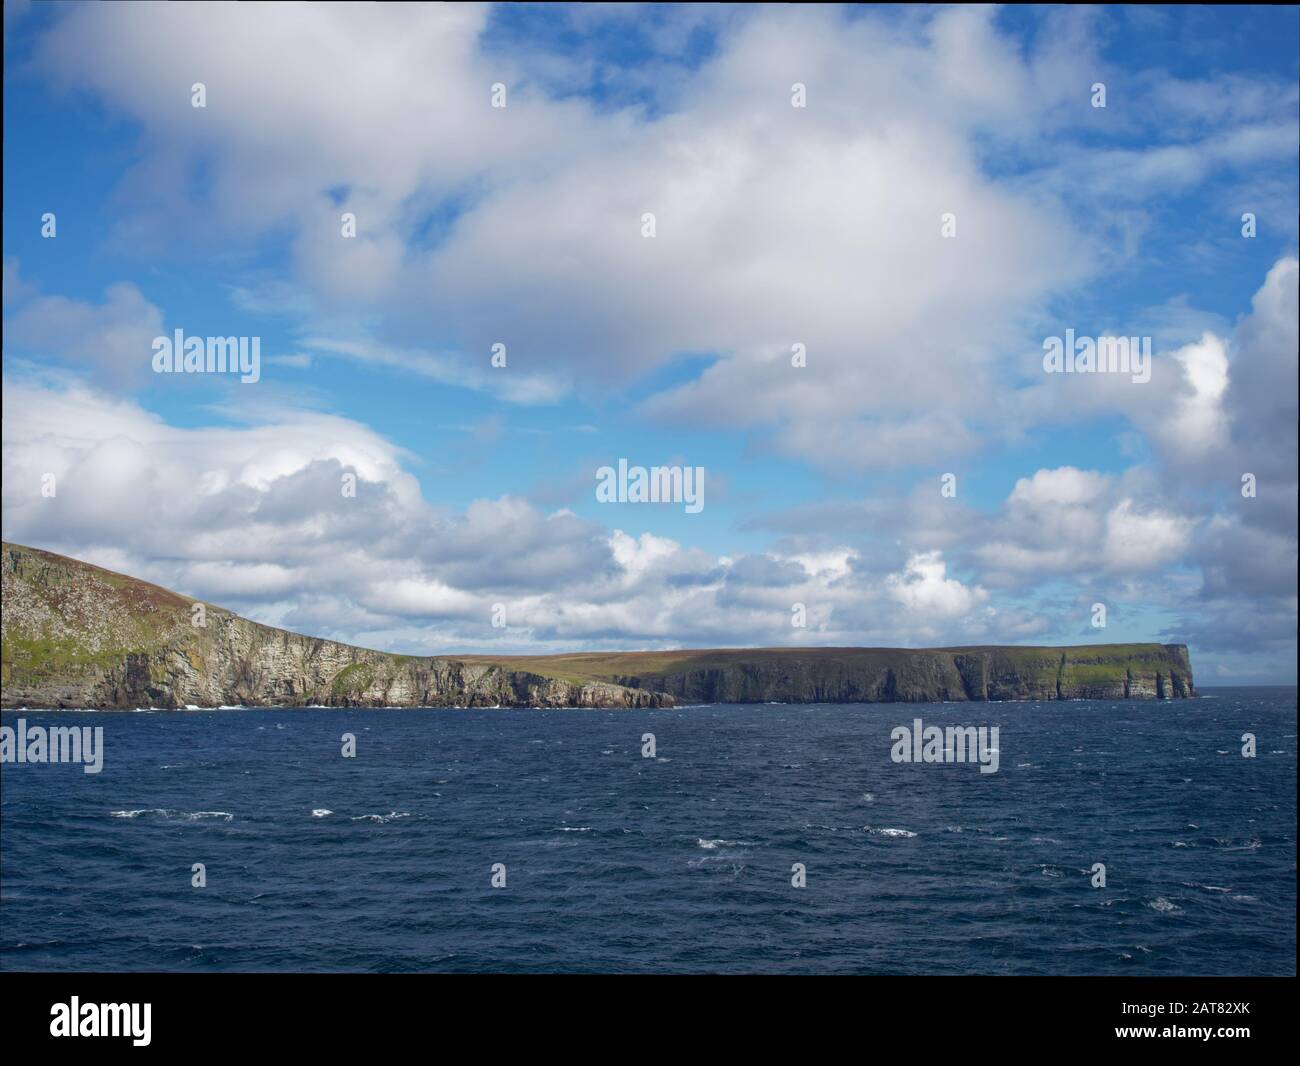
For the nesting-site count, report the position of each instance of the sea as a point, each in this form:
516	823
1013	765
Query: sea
724	839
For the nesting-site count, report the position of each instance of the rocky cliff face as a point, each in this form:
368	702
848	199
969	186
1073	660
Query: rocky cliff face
75	635
871	675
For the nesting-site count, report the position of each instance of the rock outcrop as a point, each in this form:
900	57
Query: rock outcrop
76	635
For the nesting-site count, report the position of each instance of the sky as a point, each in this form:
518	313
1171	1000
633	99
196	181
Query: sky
866	225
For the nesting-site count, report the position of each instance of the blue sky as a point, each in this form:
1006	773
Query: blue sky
818	225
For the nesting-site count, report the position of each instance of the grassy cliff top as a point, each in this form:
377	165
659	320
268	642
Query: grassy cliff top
611	665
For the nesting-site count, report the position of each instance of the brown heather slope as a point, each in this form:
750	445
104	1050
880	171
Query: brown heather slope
76	635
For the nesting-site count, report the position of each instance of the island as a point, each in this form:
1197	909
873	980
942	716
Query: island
79	636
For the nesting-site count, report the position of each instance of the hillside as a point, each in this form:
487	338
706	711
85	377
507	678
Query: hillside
76	635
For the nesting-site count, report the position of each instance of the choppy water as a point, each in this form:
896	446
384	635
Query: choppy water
616	862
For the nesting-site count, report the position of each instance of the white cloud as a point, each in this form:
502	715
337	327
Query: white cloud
776	225
1065	485
1069	522
251	516
925	589
1143	541
1195	423
113	338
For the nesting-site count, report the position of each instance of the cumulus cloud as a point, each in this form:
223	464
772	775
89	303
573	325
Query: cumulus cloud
776	225
112	339
254	516
925	588
1067	521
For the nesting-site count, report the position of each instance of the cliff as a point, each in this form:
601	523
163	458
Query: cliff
76	635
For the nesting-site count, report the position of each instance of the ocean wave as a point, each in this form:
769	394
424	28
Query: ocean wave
382	819
888	832
1163	905
320	812
163	812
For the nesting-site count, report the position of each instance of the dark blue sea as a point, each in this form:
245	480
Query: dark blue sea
615	862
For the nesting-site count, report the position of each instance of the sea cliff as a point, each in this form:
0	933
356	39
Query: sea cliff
76	635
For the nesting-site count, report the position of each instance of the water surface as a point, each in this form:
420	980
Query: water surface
682	862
